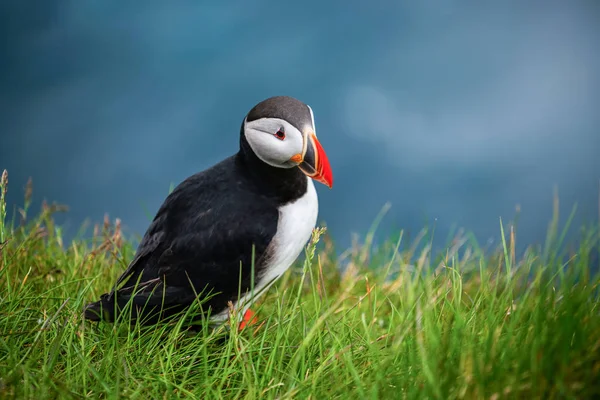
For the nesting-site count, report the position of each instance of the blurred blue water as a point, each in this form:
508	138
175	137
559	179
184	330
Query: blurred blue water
454	111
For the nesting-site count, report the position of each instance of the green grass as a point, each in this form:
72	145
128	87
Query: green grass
396	323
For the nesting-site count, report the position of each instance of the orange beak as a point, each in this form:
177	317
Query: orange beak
314	162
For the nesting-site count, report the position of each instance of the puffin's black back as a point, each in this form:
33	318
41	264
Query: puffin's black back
201	236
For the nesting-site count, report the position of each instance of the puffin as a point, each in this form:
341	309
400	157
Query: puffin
224	235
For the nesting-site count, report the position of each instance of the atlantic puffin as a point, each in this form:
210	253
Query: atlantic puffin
255	209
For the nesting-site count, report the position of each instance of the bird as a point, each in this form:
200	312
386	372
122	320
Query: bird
226	234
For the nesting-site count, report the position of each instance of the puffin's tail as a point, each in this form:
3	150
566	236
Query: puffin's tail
149	305
101	310
112	304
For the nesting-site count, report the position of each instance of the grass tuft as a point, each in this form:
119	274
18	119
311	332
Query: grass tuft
393	323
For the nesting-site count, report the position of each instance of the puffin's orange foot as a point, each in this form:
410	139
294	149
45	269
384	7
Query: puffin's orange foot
249	319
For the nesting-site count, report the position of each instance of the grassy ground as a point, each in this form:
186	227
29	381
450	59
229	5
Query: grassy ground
395	323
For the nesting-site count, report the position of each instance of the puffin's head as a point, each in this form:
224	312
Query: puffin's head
281	132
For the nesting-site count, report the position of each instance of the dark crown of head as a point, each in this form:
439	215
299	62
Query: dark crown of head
283	107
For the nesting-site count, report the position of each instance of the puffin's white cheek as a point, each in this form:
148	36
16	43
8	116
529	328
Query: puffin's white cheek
283	150
269	149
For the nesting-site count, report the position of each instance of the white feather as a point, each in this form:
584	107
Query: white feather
260	134
294	228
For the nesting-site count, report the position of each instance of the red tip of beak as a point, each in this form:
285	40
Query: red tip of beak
323	169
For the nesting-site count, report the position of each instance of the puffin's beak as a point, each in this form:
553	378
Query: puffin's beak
314	162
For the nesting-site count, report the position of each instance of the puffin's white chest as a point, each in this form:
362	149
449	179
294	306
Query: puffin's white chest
296	222
294	228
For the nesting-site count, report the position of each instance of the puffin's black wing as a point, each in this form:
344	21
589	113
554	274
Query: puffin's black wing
201	241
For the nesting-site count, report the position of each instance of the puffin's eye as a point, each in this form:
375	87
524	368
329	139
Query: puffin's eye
280	134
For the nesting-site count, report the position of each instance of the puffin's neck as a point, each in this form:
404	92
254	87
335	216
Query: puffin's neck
283	185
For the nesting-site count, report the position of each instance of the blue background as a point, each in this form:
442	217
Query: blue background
454	111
